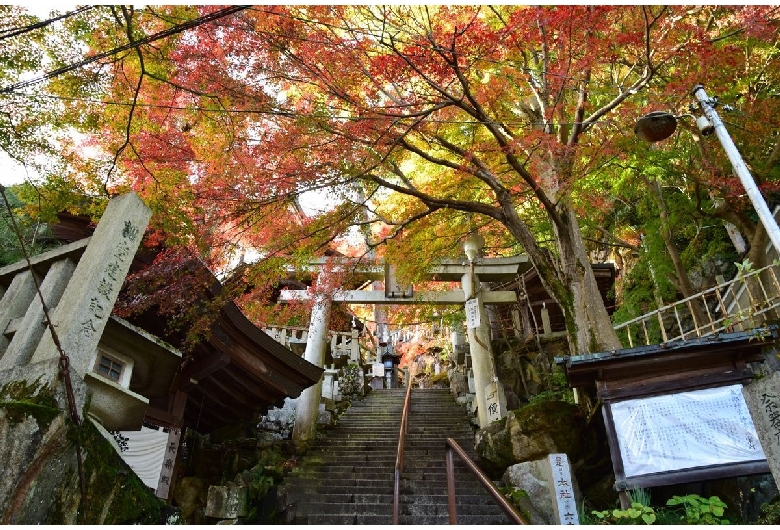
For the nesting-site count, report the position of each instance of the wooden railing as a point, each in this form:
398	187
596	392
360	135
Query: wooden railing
738	304
452	446
399	458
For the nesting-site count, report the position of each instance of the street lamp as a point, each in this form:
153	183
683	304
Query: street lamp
659	125
472	245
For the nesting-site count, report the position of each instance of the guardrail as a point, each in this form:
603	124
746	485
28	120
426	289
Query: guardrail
507	507
399	458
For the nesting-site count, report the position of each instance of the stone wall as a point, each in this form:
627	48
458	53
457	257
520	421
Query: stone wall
40	480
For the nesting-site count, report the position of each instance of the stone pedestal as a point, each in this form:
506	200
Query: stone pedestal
328	380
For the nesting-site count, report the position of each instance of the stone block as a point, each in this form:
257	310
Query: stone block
534	480
226	502
458	383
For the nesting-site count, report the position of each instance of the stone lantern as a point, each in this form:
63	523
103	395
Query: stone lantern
390	360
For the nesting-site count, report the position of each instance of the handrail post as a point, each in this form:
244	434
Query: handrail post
450	485
399	459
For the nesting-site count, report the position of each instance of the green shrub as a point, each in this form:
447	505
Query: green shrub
688	509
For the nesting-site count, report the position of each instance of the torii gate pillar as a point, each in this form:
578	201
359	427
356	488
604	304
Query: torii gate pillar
308	408
481	354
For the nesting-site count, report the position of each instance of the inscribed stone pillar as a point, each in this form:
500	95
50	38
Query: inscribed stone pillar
763	401
479	344
552	491
309	402
82	313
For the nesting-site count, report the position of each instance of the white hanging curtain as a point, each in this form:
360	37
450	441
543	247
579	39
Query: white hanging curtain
144	453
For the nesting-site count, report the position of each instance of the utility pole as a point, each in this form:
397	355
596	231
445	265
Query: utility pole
766	217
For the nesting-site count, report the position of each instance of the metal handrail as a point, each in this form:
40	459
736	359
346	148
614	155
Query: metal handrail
507	507
399	459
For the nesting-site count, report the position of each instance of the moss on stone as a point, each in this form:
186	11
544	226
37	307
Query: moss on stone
21	399
107	474
17	411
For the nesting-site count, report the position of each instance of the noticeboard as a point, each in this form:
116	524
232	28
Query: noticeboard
683	433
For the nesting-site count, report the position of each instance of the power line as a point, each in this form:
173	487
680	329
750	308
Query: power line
14	32
284	113
134	44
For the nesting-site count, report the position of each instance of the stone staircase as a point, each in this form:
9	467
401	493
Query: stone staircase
347	476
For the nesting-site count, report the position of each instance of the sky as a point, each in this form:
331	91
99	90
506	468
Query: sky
10	171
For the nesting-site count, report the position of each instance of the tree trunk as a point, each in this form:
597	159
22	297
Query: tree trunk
569	279
587	321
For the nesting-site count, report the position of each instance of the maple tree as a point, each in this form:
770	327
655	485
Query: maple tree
427	121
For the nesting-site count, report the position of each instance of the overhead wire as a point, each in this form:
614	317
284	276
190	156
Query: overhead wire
173	30
271	111
15	32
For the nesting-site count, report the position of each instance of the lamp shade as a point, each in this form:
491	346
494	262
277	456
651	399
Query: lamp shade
655	126
472	245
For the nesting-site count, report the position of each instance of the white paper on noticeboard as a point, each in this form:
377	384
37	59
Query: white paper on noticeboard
685	430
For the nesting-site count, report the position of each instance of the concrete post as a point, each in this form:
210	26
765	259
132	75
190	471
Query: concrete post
14	303
308	407
31	329
481	354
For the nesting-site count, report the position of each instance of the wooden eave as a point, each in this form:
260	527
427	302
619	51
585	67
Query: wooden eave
237	372
705	361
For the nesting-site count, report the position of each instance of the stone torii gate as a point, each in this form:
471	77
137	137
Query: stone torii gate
473	295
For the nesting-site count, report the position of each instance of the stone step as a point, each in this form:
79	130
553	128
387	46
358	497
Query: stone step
337	508
463	519
369	519
341	519
347	476
344	485
424	472
308	509
292	489
387	498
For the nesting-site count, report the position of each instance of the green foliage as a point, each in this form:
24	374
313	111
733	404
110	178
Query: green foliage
351	382
699	510
640	511
441	378
770	513
516	496
33	234
695	510
636	514
556	388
